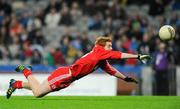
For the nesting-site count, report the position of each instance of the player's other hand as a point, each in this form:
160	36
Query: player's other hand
130	79
144	58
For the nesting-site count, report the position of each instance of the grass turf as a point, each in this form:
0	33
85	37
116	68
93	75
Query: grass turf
91	102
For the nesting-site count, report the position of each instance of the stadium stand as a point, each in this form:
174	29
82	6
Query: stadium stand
40	32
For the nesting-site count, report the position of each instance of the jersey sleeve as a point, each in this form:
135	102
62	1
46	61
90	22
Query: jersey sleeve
107	67
107	54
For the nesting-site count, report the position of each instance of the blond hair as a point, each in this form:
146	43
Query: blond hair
101	40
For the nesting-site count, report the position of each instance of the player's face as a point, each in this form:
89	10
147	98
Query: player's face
108	46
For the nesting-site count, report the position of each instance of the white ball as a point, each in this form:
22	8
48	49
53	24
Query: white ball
166	33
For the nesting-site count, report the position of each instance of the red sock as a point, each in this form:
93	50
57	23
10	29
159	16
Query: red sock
26	72
17	84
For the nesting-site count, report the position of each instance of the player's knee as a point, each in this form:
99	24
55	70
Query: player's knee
38	95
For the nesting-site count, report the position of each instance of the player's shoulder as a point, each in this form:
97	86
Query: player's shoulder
98	48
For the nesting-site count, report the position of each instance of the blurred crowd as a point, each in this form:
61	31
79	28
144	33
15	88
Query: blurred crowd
57	32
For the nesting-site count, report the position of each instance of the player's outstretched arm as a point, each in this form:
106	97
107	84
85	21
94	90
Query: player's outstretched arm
104	65
142	58
125	78
129	56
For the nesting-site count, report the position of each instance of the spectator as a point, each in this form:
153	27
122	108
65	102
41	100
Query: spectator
38	38
89	8
118	45
40	16
27	51
2	16
161	70
127	44
52	19
85	43
177	45
66	18
94	17
176	5
64	43
1	54
95	23
36	57
53	4
108	25
23	36
75	12
15	47
58	57
5	7
72	54
174	19
34	23
15	27
144	46
117	12
5	31
135	26
76	43
2	35
49	59
6	54
156	7
34	34
102	6
26	16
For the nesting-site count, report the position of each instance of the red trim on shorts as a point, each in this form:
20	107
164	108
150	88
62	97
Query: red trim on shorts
60	78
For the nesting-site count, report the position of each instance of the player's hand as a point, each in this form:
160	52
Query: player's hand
129	79
144	58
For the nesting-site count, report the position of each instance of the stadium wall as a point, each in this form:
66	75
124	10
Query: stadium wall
91	85
99	83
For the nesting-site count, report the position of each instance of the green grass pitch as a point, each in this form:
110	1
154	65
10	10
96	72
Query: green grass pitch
91	102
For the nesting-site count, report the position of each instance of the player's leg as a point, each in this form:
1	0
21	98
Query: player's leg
33	84
20	84
26	85
59	79
16	84
39	90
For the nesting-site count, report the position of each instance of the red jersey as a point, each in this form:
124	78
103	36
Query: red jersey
91	61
